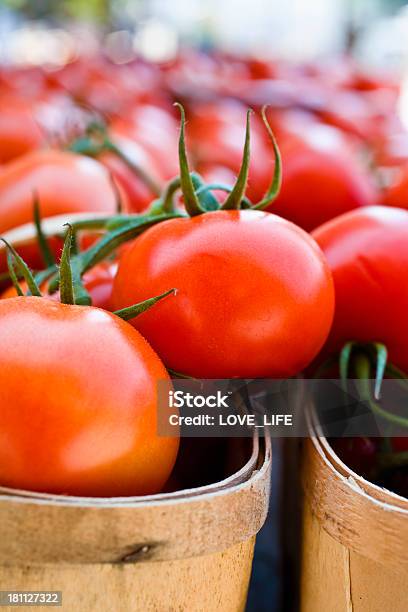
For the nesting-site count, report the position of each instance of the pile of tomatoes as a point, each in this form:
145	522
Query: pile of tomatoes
202	250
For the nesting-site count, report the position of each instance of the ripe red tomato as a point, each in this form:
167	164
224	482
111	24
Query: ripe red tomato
247	282
216	134
139	195
400	444
367	251
19	131
155	131
319	185
64	182
78	411
397	193
360	454
98	282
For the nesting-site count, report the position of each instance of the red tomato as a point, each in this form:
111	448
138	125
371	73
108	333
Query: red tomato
367	251
397	193
19	131
139	195
64	182
319	185
30	252
216	136
247	282
400	444
78	411
359	454
98	282
155	130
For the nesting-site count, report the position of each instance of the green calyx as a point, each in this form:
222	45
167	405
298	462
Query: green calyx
276	183
96	141
133	311
364	360
374	351
121	228
45	249
72	290
18	268
193	191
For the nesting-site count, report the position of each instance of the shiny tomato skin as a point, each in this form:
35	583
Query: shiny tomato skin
64	182
248	284
367	251
397	193
78	411
19	130
319	185
138	194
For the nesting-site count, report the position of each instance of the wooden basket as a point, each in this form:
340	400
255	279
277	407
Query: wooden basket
191	549
186	550
355	536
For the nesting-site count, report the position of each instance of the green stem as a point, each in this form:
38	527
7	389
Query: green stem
233	201
24	270
344	362
276	183
381	363
66	283
72	290
110	242
97	141
363	371
207	200
191	202
165	204
137	170
245	202
133	311
13	275
46	253
117	194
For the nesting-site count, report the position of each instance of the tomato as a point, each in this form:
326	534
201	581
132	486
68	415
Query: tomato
64	182
216	135
367	251
400	444
30	252
139	195
155	130
98	282
397	193
359	454
319	184
78	413
19	130
247	283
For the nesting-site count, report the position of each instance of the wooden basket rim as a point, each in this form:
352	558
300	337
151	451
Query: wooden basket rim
377	493
232	482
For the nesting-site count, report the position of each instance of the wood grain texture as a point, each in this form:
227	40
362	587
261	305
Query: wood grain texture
354	543
41	531
210	583
190	551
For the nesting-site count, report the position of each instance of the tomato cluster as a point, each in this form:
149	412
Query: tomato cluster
219	264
